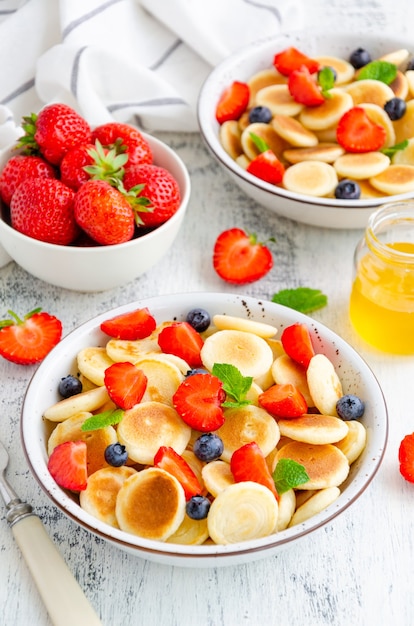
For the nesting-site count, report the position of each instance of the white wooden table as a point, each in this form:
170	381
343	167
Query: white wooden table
359	568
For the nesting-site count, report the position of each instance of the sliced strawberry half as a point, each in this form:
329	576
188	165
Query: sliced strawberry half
249	463
233	102
267	166
29	340
406	457
304	89
357	133
198	401
239	258
291	59
125	383
297	343
133	325
283	401
182	340
67	465
169	460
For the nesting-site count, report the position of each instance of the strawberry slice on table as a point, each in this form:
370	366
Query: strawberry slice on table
283	400
133	325
267	166
28	340
198	401
125	384
406	458
304	89
232	102
182	340
357	133
239	258
169	460
249	463
291	59
67	465
297	343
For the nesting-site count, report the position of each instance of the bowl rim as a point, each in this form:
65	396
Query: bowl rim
209	127
255	308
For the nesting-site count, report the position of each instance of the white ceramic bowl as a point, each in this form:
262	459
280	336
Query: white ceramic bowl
242	65
99	268
356	376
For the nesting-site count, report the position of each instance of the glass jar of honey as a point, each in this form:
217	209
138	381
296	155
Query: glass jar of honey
382	297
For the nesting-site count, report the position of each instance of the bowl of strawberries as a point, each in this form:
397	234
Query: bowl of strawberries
203	429
317	127
89	209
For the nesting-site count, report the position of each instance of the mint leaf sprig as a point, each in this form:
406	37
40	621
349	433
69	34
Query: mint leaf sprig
234	384
326	81
101	420
302	299
289	474
378	70
391	150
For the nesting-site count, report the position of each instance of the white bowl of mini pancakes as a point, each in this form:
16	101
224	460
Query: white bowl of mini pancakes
232	148
355	376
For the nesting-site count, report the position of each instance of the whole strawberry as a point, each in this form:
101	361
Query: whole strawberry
72	171
157	193
42	208
92	161
20	167
54	131
104	213
125	139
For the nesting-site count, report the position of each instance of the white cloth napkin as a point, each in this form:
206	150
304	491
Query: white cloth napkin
138	61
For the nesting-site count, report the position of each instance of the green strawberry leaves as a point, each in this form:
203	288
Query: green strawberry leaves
288	475
234	384
302	299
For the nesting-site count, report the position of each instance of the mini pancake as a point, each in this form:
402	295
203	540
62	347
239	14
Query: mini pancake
195	464
327	114
243	121
312	178
251	354
126	350
287	371
217	476
246	424
230	138
314	505
368	191
163	379
92	363
394	180
406	156
265	132
242	161
324	384
230	322
96	440
409	75
149	425
327	135
191	532
396	57
287	506
254	392
293	131
404	127
360	166
314	428
325	152
99	497
377	115
344	70
369	90
151	504
277	98
264	78
85	401
325	464
354	442
243	511
400	86
276	347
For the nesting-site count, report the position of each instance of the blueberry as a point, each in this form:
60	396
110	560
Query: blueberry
198	507
347	190
116	454
260	114
199	319
208	447
395	108
359	58
69	386
197	370
350	407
